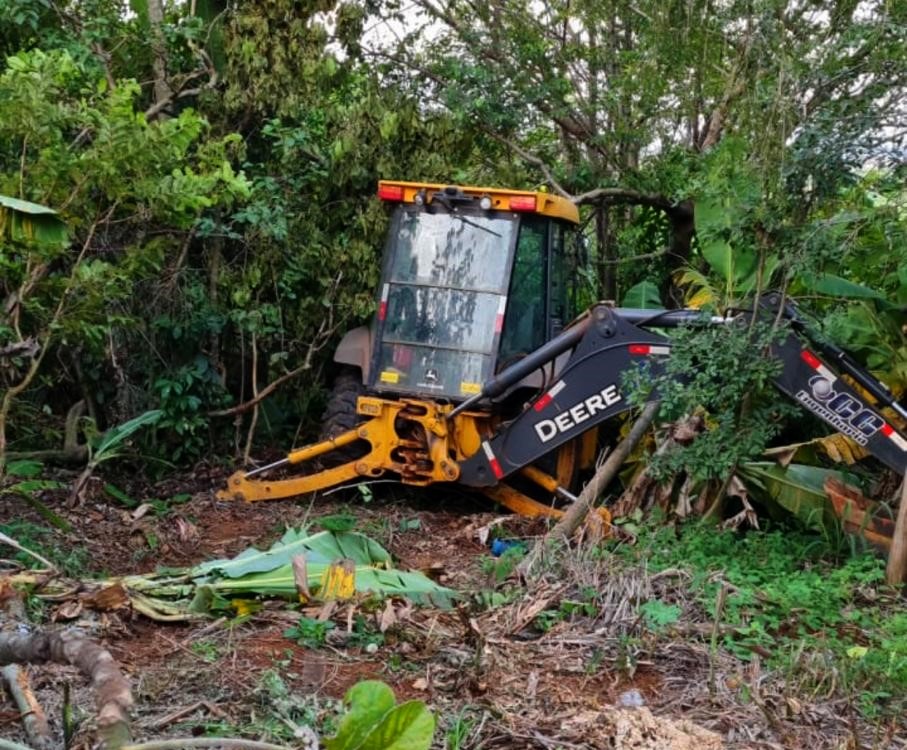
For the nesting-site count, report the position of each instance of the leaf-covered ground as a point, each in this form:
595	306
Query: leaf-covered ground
604	648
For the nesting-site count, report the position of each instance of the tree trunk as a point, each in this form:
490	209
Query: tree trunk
607	277
576	513
162	90
896	572
682	229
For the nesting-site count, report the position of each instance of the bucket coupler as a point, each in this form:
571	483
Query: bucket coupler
613	341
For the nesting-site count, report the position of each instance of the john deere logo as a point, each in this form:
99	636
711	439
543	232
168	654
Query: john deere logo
431	375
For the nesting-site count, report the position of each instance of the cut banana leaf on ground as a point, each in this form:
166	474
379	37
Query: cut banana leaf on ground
335	566
322	548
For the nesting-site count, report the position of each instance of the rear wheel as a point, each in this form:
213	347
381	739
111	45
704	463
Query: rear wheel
340	416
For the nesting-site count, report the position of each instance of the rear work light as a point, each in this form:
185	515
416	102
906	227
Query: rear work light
522	203
390	192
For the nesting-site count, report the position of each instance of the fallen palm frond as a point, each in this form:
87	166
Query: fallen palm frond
332	566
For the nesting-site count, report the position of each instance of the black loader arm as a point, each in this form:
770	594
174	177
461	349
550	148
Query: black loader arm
808	377
612	341
586	393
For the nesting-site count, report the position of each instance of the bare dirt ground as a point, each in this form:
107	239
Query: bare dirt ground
493	677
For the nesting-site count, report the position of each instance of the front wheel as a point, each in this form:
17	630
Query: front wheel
340	416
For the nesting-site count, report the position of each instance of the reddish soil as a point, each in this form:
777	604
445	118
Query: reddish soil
515	689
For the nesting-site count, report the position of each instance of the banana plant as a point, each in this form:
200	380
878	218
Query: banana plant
110	445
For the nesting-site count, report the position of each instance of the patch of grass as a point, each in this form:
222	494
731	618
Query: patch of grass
283	711
463	729
73	562
207	650
823	622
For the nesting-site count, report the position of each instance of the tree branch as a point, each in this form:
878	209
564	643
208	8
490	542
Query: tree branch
531	159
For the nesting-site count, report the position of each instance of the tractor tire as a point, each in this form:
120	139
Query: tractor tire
340	416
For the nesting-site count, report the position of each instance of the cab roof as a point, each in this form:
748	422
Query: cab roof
501	199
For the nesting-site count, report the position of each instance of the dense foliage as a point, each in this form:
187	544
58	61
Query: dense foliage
215	164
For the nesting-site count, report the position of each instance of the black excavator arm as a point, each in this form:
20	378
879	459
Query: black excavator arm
610	341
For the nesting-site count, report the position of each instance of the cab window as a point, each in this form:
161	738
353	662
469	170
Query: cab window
568	298
525	327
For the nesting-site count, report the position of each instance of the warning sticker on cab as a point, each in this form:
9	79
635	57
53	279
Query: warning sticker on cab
389	376
470	388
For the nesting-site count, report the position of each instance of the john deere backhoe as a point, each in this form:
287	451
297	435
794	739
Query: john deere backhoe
480	368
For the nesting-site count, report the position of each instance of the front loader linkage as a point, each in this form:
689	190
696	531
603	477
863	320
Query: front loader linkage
419	452
411	438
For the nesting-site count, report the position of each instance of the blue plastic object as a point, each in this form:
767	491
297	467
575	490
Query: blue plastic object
500	546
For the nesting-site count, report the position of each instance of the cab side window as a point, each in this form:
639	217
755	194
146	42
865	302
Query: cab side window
525	327
566	278
560	281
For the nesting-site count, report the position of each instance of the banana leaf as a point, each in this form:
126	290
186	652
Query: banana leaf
281	582
25	221
337	566
798	488
322	548
270	574
643	295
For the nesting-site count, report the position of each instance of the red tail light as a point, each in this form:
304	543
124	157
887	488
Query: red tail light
522	203
390	192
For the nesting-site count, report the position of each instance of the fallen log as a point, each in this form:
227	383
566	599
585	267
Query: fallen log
112	692
575	515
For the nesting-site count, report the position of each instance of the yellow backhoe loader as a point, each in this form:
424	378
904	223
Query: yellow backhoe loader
480	367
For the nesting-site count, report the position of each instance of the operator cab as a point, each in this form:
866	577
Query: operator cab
472	280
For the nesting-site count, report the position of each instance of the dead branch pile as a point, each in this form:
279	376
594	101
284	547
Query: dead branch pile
574	662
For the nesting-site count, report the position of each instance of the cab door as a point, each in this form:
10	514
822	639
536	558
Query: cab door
565	277
541	297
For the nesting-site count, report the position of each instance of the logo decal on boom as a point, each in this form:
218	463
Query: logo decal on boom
845	413
546	429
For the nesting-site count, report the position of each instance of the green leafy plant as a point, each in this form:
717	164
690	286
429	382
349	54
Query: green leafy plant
309	632
722	373
659	615
338	522
374	721
499	569
111	445
28	472
184	396
365	635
